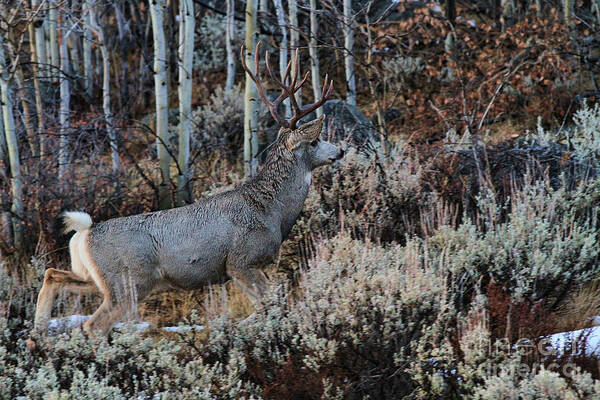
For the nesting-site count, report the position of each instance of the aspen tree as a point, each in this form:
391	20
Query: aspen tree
35	67
73	45
568	11
87	49
229	34
40	37
295	40
186	65
13	150
108	115
314	57
162	100
251	94
53	40
64	108
348	57
283	47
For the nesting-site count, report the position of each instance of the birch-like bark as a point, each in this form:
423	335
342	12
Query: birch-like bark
40	38
64	110
3	149
39	108
295	40
13	151
53	40
87	50
314	57
283	46
108	115
162	100
6	229
348	57
229	35
186	65
27	120
251	94
378	108
264	6
568	11
73	46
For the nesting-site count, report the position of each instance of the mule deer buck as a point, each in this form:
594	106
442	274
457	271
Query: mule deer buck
227	236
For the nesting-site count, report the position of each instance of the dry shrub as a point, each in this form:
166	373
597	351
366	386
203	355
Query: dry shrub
579	308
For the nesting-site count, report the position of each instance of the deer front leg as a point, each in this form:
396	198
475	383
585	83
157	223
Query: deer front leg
252	281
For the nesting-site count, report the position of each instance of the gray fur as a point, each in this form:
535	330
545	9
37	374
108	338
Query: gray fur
230	235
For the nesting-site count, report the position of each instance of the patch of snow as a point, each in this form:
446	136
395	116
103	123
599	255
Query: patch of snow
63	324
570	342
436	8
183	328
139	327
471	23
59	325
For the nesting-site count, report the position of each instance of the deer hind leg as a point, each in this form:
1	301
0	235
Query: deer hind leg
104	318
121	298
54	281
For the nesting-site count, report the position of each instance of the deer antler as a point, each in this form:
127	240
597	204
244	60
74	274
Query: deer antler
287	91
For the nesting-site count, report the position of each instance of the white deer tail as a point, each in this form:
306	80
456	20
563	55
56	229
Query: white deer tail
76	221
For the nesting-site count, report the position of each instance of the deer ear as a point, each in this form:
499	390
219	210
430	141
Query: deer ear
305	133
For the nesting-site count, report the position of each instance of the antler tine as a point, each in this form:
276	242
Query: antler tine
287	91
299	85
255	77
325	93
279	83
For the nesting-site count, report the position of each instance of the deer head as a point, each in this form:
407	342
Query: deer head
303	140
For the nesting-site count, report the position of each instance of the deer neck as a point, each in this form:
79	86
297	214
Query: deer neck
290	199
279	190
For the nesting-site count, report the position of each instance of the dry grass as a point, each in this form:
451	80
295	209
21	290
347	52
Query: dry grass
581	305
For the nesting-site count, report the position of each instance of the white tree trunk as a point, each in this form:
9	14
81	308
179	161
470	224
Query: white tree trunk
251	94
348	57
162	100
27	120
283	47
64	110
186	65
53	39
6	225
568	11
295	40
35	67
73	46
229	35
264	6
13	150
314	57
108	115
40	39
87	49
